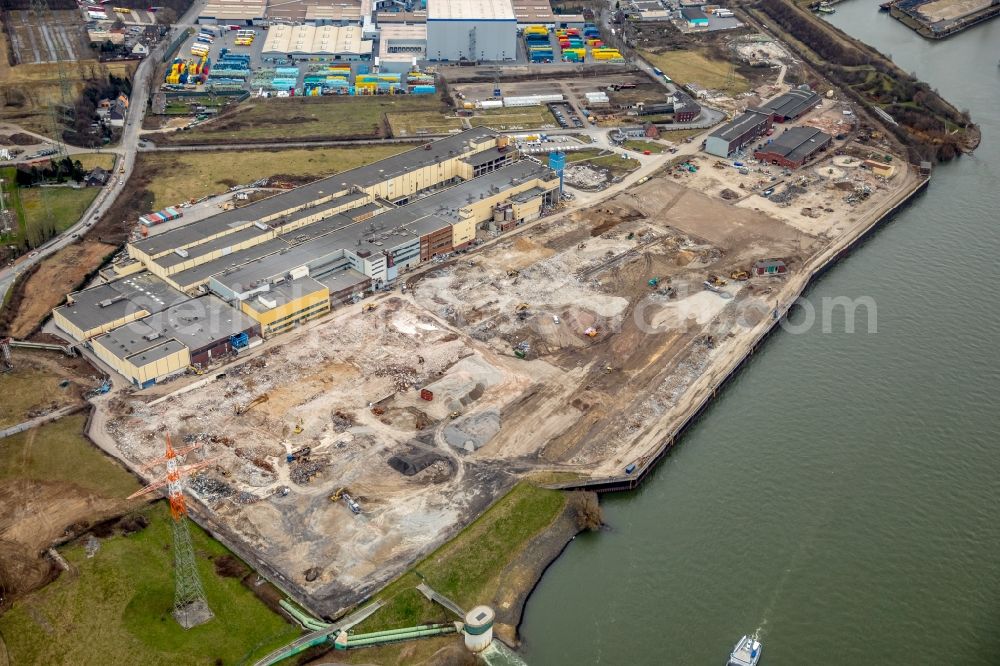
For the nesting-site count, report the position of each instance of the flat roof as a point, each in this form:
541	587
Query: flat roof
470	10
220	243
297	11
286	292
445	203
200	322
341	280
235	9
798	143
115	300
382	18
138	337
155	353
792	104
533	11
366	176
234	260
316	40
740	124
691	13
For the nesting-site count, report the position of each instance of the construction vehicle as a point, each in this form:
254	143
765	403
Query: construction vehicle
513	273
716	281
298	427
742	276
454	415
608	369
298	454
369	307
591	332
520	353
654	282
243	409
342	494
520	307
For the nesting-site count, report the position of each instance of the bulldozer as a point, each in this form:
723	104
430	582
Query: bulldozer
369	307
741	276
716	281
520	307
243	409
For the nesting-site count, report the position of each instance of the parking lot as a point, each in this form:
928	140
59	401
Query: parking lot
62	39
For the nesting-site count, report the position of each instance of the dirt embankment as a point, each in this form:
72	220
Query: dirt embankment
63	272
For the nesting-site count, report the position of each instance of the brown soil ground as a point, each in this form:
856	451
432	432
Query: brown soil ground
56	276
34	384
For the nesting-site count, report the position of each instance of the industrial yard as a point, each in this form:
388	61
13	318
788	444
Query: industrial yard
569	347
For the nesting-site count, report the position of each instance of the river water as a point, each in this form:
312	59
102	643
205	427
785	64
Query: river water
842	496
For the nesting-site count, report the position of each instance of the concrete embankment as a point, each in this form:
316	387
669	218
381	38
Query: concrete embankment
729	363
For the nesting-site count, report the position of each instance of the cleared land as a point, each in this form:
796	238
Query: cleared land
123	596
516	118
692	66
426	122
51	478
303	118
34	385
470	568
420	474
174	177
56	276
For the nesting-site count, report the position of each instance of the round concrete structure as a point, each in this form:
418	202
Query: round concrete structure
479	628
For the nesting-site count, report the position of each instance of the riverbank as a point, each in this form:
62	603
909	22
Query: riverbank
742	348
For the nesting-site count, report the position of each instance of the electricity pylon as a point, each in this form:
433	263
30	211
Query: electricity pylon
190	605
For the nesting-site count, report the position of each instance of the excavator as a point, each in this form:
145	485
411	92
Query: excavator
342	494
298	426
243	409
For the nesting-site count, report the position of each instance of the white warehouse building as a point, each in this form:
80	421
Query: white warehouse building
471	30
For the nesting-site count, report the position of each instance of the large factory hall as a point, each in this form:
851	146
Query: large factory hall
199	293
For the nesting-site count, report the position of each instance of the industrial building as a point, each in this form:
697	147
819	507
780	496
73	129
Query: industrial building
400	44
267	267
793	147
288	12
793	104
322	43
738	133
471	30
694	17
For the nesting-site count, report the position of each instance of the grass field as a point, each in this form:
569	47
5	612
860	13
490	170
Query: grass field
42	212
695	67
641	145
115	608
302	118
58	452
91	160
468	568
680	135
527	117
173	177
617	165
55	207
31	386
426	122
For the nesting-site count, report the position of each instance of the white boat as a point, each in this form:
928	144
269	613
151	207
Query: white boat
746	652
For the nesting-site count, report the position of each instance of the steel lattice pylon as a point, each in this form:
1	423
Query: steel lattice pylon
190	605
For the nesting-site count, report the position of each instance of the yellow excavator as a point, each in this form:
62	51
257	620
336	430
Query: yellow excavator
298	426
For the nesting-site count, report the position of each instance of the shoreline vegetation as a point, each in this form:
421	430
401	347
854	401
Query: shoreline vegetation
928	126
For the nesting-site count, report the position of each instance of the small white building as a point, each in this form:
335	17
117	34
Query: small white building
140	49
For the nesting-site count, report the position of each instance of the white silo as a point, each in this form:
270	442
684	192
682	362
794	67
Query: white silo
479	628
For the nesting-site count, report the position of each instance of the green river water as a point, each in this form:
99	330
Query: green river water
842	496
